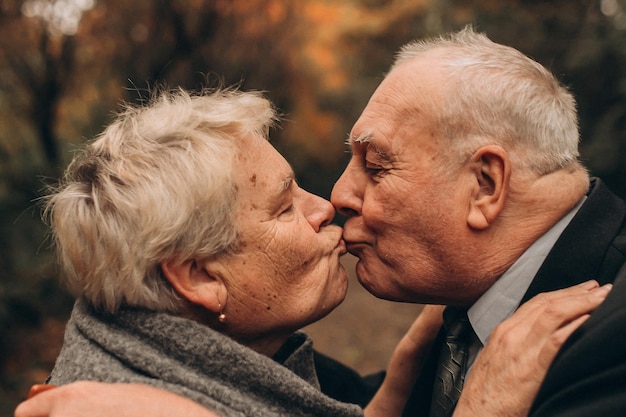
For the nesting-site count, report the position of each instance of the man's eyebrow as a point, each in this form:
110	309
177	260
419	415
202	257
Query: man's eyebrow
362	138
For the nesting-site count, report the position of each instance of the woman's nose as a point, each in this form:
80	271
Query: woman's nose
319	211
346	196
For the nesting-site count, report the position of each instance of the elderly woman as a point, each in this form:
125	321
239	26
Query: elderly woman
196	258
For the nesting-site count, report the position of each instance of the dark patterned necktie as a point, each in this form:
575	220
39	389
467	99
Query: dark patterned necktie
452	363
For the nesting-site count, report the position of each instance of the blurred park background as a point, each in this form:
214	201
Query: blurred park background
66	65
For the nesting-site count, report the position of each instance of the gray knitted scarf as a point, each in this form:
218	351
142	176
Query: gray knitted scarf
195	361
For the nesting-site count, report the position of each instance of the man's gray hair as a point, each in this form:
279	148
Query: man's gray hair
156	185
497	95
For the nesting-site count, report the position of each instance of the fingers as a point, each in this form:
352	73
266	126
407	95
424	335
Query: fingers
564	292
431	318
549	312
551	348
433	311
542	299
34	407
561	335
426	325
539	327
570	305
39	388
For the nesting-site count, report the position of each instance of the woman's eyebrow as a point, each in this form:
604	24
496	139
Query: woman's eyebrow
284	185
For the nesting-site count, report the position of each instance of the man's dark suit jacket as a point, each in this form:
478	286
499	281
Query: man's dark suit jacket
588	376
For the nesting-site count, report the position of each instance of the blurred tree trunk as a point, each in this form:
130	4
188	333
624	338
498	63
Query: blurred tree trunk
41	68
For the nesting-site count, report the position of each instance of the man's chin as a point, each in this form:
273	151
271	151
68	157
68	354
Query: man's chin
378	283
370	280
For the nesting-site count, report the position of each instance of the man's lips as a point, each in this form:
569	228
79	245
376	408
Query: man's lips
355	237
354	246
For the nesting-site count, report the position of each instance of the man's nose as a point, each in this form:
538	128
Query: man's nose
346	195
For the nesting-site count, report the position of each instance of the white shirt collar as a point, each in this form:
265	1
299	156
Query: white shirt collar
502	299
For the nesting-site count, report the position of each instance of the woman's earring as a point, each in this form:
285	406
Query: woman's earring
222	317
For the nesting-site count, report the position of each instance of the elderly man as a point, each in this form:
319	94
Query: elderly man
464	188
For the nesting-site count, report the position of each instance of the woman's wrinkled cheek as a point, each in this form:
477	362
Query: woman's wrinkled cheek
296	260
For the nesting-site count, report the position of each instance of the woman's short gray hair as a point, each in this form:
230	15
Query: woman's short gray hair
498	95
157	184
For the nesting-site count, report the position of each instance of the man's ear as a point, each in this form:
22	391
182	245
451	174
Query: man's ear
492	175
193	281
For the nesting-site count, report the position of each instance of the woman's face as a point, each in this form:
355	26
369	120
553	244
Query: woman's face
286	273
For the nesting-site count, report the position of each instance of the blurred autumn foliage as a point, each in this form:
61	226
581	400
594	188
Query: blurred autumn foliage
65	66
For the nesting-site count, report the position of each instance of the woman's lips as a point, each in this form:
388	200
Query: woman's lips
342	247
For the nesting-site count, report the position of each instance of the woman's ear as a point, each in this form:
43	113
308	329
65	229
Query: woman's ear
193	281
492	172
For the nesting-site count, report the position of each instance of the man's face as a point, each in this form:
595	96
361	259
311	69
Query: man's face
406	213
286	272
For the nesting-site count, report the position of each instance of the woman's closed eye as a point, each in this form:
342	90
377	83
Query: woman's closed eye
286	213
